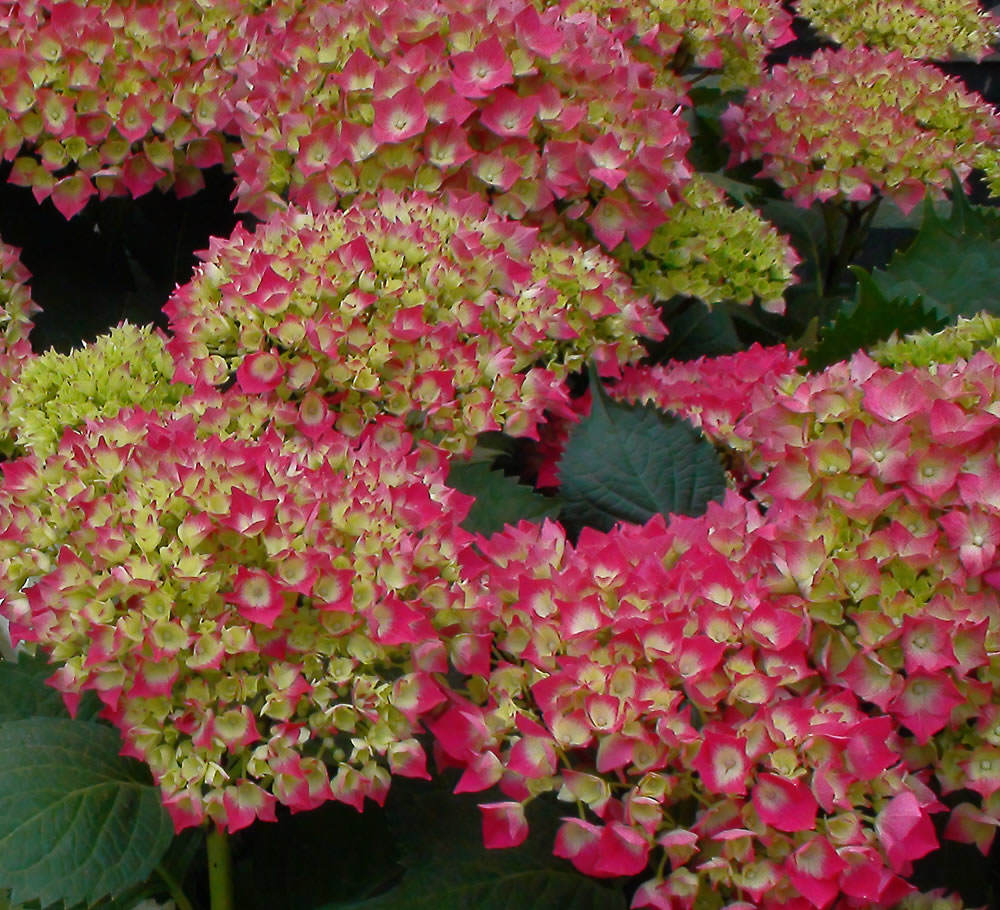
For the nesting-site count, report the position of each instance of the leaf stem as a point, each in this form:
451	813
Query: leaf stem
220	869
177	894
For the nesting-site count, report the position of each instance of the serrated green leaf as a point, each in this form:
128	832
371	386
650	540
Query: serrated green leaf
953	263
448	868
628	462
500	500
77	821
871	318
23	692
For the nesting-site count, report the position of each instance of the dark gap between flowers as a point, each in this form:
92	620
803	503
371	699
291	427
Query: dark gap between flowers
118	259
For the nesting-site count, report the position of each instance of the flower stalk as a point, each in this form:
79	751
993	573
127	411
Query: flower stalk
220	869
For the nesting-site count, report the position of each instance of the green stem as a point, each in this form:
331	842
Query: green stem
177	894
857	221
220	869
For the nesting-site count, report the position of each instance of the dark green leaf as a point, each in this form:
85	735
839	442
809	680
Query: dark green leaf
23	692
309	859
867	321
953	264
805	228
696	330
448	868
628	462
500	500
77	821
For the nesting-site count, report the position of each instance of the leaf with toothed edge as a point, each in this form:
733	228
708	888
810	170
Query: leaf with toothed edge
629	462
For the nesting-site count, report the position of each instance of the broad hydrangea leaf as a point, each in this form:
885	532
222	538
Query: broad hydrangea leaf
77	821
446	865
628	462
500	500
953	263
870	319
24	694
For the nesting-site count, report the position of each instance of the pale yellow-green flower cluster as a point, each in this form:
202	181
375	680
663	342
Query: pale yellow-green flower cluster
929	29
713	251
128	366
956	342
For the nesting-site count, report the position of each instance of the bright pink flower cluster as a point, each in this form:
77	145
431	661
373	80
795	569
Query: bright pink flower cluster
441	94
771	703
259	614
666	680
328	100
444	314
853	123
713	393
104	98
897	474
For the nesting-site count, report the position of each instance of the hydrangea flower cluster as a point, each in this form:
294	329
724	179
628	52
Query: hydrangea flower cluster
713	393
908	127
768	702
108	99
365	96
128	366
733	37
251	610
664	680
713	251
927	29
895	472
446	315
16	309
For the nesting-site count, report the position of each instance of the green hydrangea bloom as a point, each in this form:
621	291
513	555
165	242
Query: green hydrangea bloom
957	342
128	366
710	250
928	29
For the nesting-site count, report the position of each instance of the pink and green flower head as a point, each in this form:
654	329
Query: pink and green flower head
441	313
251	608
910	128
